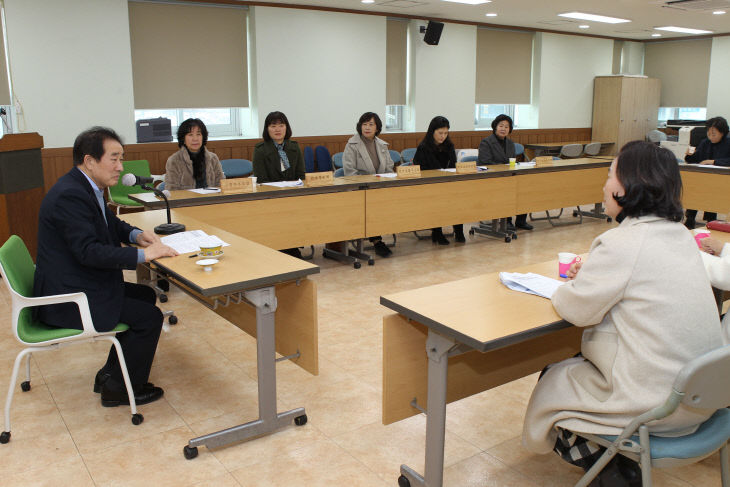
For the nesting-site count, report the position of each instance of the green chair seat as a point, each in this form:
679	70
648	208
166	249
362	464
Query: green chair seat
38	332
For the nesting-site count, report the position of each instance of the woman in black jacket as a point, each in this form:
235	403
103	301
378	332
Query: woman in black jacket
436	151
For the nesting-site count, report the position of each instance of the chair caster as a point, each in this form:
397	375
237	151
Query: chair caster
471	232
25	386
163	298
190	452
357	264
4	437
371	262
172	320
300	420
514	236
575	213
609	219
403	481
507	239
137	419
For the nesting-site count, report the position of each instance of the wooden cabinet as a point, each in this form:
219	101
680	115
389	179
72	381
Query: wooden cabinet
625	108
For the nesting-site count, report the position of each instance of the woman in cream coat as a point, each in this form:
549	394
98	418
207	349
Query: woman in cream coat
716	258
357	157
646	305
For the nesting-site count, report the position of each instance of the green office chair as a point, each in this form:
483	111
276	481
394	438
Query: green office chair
703	383
119	194
17	269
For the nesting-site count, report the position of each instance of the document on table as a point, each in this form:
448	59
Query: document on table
530	283
205	190
190	241
286	184
526	164
453	169
387	175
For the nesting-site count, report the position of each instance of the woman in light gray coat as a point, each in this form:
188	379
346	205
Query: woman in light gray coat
647	308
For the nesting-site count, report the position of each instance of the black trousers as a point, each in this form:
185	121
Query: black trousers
139	343
692	214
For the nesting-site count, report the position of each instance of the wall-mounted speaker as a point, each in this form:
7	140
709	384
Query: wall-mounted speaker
433	32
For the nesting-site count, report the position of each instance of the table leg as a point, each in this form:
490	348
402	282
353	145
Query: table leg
437	349
264	300
596	213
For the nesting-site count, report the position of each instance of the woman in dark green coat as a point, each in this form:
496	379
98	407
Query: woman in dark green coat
277	158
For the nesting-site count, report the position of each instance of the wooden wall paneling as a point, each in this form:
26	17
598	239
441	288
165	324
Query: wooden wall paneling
23	219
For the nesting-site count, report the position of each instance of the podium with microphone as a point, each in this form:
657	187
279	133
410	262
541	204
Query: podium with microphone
168	228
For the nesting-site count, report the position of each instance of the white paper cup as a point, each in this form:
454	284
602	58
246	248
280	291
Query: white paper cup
565	260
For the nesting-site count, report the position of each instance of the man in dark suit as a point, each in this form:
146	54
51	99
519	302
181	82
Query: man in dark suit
79	250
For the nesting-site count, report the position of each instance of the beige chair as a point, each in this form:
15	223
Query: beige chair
571	151
592	149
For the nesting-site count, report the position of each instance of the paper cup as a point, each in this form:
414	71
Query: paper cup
699	234
512	161
565	260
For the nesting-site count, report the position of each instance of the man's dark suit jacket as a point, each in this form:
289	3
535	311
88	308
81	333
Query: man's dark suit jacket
78	251
491	151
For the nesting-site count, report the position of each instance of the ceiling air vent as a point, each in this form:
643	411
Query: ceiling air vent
697	4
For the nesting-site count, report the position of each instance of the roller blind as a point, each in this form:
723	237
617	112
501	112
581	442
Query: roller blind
684	69
188	56
504	66
396	43
4	86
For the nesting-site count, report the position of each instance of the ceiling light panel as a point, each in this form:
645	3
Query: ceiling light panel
469	2
593	17
683	30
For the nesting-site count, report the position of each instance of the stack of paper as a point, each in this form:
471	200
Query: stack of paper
285	184
530	283
184	242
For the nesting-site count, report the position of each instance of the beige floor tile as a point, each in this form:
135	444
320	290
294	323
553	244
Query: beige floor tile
321	462
705	473
483	470
154	460
71	472
385	448
226	480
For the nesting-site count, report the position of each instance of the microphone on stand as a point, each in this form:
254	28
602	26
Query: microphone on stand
168	228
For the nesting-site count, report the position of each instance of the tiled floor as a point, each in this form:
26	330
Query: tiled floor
62	436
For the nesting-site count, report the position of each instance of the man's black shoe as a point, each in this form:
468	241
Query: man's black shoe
381	249
143	394
102	377
524	225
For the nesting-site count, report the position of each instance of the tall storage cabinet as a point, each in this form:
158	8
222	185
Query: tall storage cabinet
625	108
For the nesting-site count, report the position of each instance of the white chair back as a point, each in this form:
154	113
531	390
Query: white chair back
462	153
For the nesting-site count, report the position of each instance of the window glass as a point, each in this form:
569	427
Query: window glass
394	115
220	122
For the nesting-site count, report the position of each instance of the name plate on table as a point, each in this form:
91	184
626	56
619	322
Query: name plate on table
468	167
325	178
541	160
237	185
404	172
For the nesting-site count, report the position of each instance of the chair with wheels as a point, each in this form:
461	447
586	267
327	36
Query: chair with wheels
324	161
337	160
656	136
119	194
469	158
406	156
462	153
339	172
703	383
395	157
519	149
592	149
237	168
571	151
17	270
309	159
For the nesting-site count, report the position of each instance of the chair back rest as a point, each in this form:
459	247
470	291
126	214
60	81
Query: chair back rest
138	168
705	381
469	158
17	270
394	155
406	155
308	159
462	153
519	149
236	168
592	149
324	161
339	172
571	150
656	136
161	186
337	159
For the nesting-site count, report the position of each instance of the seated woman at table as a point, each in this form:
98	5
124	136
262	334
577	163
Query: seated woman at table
714	150
277	158
647	308
436	151
366	153
497	148
193	166
716	258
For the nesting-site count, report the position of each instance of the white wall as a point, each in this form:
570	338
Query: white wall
322	69
445	76
71	67
568	65
718	90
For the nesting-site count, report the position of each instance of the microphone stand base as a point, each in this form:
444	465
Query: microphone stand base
169	228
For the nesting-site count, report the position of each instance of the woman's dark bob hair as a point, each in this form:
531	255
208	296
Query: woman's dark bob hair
438	122
276	117
366	117
651	181
500	118
187	126
719	123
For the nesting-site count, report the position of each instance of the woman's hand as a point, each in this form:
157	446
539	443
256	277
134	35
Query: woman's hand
574	268
711	245
708	162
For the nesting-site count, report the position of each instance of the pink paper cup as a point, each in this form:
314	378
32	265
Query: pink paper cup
565	260
699	237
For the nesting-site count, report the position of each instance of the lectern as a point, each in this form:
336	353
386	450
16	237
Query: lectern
21	187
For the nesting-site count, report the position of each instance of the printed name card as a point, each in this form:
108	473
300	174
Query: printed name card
325	178
404	172
541	160
237	185
468	167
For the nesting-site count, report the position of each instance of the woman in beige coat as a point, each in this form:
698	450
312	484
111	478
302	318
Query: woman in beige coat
716	258
193	166
647	308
